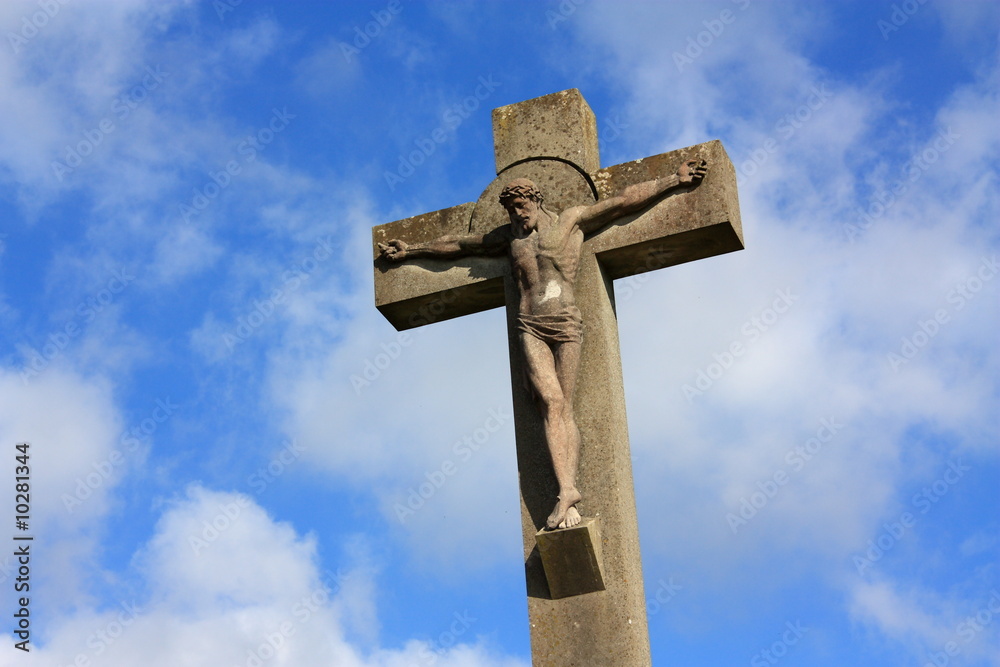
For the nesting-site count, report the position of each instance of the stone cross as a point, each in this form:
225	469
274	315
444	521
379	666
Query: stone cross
586	604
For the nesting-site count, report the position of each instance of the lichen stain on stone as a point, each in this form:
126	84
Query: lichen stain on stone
505	116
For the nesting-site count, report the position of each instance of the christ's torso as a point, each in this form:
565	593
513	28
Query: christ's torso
545	263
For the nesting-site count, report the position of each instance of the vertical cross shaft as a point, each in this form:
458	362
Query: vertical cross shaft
552	140
603	627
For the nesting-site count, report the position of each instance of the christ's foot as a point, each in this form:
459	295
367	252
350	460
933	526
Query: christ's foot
572	518
561	516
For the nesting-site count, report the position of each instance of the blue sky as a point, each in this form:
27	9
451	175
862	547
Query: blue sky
187	191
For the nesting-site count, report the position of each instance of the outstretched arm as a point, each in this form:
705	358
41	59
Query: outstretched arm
452	245
639	196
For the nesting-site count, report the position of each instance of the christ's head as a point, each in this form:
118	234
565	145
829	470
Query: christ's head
523	202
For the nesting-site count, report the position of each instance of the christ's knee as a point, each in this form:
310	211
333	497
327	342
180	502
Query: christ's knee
552	406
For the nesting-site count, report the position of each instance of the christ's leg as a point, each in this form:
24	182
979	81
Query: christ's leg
557	419
567	357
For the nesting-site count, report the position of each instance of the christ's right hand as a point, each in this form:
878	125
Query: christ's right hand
394	250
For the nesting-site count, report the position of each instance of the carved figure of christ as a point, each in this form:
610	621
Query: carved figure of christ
544	248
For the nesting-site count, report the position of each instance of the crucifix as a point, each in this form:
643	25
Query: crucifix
546	239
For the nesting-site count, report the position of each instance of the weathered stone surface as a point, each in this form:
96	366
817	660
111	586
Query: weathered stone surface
685	227
429	290
571	558
681	228
607	627
553	141
560	125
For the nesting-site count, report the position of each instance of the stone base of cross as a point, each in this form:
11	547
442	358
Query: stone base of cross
590	609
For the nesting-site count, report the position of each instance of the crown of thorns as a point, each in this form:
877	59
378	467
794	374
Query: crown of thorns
520	189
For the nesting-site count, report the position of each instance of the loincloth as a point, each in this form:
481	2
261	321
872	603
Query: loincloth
563	327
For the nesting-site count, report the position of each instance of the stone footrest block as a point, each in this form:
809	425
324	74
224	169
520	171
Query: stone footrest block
571	558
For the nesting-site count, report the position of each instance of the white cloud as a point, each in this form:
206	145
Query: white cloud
184	251
328	68
968	21
928	625
215	530
102	108
76	458
251	44
252	594
65	78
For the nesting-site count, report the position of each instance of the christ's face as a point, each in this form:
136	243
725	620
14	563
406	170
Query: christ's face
523	214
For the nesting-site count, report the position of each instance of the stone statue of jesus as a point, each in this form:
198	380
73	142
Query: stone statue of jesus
544	249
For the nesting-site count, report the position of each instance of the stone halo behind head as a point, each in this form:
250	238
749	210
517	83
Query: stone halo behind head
560	184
